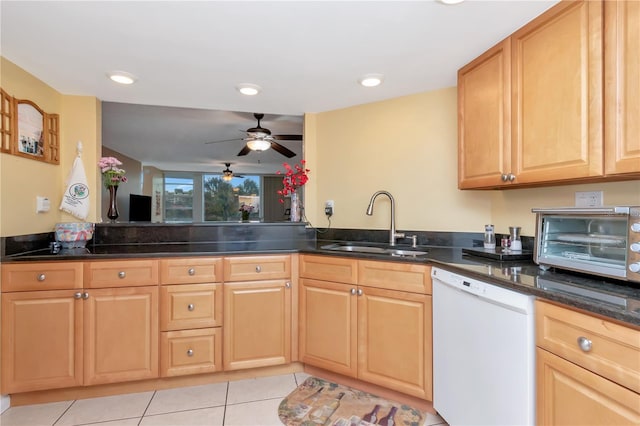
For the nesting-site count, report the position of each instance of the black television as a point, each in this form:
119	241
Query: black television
139	208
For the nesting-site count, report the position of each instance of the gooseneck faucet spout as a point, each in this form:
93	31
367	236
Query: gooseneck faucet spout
392	230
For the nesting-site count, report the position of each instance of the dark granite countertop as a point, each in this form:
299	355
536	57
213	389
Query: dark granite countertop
622	299
615	299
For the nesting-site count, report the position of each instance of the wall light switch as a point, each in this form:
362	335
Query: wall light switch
42	204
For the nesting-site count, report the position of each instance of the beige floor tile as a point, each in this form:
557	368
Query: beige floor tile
260	388
106	409
263	413
434	419
206	416
123	422
189	398
34	415
301	377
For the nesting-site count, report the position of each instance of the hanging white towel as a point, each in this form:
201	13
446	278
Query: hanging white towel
75	199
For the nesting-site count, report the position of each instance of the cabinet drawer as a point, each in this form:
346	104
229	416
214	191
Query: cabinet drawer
395	276
41	276
329	268
615	349
190	306
190	352
118	273
251	268
191	270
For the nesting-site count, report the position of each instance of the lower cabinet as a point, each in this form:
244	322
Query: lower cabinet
571	395
120	335
379	335
41	340
257	324
588	369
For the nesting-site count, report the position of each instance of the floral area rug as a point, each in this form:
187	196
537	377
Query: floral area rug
319	402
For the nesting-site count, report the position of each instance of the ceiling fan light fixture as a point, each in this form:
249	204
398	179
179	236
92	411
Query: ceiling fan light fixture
227	177
258	144
249	89
122	77
371	80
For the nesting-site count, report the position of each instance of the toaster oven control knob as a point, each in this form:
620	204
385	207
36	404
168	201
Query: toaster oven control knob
635	247
635	267
635	227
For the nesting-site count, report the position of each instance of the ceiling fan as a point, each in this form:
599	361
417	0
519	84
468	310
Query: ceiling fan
227	174
260	139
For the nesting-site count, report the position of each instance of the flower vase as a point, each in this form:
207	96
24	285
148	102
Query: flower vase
245	216
112	213
295	215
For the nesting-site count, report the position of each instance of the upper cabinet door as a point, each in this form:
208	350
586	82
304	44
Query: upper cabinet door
484	119
622	87
557	95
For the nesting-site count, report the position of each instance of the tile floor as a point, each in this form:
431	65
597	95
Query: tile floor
251	402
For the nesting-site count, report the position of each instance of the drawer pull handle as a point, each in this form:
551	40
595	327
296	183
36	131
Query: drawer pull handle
585	344
258	268
121	274
77	295
41	277
191	271
191	306
190	352
353	291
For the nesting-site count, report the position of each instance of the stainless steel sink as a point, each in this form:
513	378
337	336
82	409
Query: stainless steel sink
374	250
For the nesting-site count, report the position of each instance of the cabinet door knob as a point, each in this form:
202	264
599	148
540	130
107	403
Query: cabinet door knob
511	177
504	177
77	295
191	306
190	352
121	274
353	291
85	295
287	284
41	277
191	271
360	292
258	268
585	344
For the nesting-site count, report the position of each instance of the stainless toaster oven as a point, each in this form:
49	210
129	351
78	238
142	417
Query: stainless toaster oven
603	241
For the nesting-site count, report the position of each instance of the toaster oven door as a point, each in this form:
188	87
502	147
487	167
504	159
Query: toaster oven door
585	243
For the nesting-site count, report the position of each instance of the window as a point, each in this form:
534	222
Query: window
178	198
222	199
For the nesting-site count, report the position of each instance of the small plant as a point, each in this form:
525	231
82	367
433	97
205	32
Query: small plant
294	178
112	174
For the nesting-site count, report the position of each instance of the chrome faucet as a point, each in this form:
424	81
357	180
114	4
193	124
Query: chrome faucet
392	230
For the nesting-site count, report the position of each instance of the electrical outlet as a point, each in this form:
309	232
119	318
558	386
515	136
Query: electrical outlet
589	199
328	208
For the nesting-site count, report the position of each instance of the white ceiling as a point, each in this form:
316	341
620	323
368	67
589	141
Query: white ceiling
306	55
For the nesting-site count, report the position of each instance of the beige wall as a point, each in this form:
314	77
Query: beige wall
408	146
22	179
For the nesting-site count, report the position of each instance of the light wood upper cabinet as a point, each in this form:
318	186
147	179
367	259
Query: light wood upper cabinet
622	87
41	340
484	118
557	95
257	324
120	335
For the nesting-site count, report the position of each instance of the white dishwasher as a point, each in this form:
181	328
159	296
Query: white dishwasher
483	352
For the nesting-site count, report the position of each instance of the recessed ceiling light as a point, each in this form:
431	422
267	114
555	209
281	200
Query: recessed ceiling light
248	89
122	77
450	1
370	80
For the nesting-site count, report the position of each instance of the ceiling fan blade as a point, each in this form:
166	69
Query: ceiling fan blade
288	137
244	151
282	150
226	140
